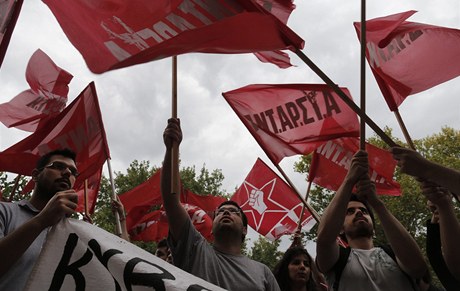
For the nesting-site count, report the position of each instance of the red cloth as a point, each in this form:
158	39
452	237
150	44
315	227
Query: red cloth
117	33
294	118
8	17
46	97
332	160
271	206
408	57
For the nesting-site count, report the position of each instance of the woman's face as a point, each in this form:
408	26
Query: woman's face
299	269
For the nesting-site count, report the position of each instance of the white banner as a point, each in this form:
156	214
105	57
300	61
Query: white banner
81	256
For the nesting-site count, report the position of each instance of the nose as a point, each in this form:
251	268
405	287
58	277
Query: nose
67	171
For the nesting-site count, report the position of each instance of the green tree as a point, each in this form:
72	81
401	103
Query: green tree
8	183
266	252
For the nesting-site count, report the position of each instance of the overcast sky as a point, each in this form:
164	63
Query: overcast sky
135	101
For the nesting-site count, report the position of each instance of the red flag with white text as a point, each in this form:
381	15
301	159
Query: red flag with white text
271	206
9	13
78	127
46	97
292	119
281	9
333	159
408	57
154	226
125	33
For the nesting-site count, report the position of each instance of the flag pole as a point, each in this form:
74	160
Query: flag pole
117	217
15	187
362	133
175	188
299	225
404	130
85	192
345	98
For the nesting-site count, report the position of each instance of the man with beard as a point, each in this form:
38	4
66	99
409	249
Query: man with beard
363	266
222	263
23	225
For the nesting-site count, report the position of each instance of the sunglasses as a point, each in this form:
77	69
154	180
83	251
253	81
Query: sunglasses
60	166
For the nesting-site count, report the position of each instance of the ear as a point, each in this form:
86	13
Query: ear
245	230
35	174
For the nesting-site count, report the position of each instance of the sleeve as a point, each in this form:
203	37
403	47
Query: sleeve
272	284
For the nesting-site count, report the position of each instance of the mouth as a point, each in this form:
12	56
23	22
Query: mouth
64	183
360	219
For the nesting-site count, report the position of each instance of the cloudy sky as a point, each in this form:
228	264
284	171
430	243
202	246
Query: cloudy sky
136	101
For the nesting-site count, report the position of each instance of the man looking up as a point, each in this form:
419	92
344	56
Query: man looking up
363	266
23	224
222	263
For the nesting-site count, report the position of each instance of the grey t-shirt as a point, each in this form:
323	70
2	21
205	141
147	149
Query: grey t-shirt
12	216
193	254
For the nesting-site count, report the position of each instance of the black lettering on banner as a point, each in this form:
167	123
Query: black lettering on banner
104	258
269	113
312	98
293	112
154	280
299	103
261	121
285	122
196	287
64	268
331	104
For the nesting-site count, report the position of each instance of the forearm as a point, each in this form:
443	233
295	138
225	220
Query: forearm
407	251
450	238
13	246
443	176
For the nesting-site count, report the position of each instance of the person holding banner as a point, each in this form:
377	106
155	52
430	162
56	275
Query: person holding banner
23	225
363	266
222	263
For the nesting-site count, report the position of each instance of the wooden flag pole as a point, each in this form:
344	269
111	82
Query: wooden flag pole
404	130
299	225
15	187
175	187
85	192
362	133
114	197
345	99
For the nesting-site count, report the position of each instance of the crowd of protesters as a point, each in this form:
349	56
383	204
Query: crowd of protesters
361	265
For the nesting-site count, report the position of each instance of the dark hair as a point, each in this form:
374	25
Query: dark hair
369	210
162	243
281	270
44	160
243	216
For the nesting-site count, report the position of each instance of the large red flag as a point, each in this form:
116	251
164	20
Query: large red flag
292	119
332	160
46	97
272	207
408	57
9	13
139	200
208	203
282	10
154	226
79	127
116	34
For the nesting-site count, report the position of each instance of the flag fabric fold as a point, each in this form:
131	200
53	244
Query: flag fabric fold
124	33
292	119
408	57
46	97
332	160
78	127
271	206
9	13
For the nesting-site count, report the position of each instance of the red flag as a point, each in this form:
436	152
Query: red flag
292	119
154	226
208	203
408	57
46	97
333	159
9	13
281	10
139	200
79	127
272	207
125	33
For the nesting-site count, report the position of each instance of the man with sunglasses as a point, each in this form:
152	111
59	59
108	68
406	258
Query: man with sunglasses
221	263
23	224
362	266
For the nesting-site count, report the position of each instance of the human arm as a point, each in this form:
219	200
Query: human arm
412	163
177	216
408	254
118	207
14	244
449	226
327	250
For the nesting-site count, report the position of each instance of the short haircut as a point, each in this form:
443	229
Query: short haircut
44	160
354	197
243	216
162	243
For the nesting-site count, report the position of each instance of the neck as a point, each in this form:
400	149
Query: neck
36	201
227	246
299	287
363	243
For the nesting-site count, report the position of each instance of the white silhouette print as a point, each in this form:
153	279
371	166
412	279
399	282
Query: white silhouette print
256	200
130	37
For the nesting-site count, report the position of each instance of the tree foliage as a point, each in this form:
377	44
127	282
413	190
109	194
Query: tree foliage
266	252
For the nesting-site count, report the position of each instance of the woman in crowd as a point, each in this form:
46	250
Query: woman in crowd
297	271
